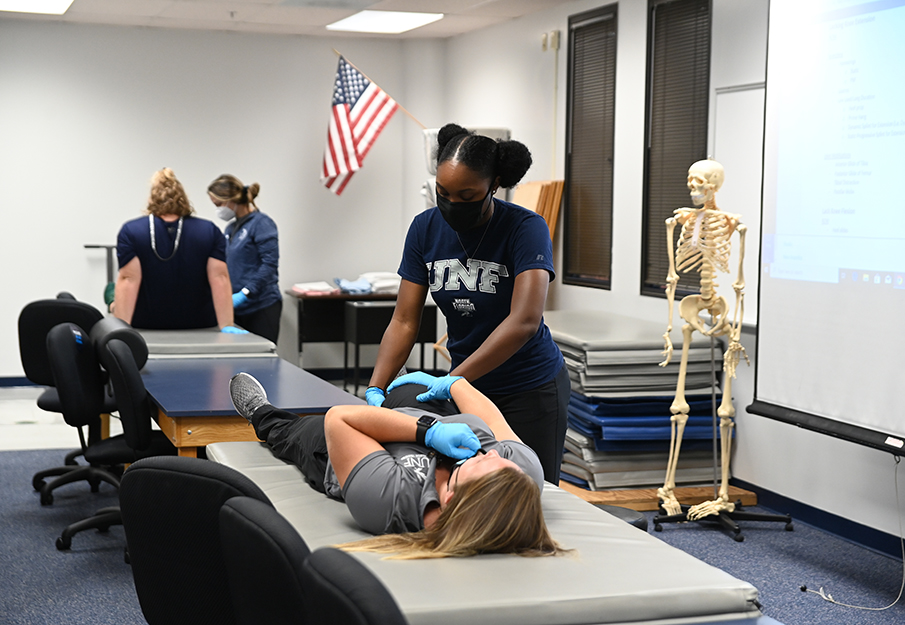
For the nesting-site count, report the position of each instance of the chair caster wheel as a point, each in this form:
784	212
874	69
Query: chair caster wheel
789	527
738	538
46	499
63	543
658	528
37	483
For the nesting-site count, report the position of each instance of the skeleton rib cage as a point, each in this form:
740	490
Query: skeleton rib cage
704	238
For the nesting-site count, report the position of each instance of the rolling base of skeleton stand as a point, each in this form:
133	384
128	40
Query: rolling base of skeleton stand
726	520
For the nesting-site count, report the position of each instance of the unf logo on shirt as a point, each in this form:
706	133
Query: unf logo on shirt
243	234
418	464
463	306
479	275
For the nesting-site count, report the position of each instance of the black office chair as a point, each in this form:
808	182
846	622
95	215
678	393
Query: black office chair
171	508
35	321
80	383
340	589
264	556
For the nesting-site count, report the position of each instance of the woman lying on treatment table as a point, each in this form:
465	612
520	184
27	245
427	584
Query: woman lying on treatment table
439	482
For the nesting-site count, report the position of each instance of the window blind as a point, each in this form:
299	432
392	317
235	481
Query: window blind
678	82
588	215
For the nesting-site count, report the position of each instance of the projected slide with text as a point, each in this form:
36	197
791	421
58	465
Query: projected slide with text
839	169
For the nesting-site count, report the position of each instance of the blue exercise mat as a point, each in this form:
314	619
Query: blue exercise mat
654	420
642	405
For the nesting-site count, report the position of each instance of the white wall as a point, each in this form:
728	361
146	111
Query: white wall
88	113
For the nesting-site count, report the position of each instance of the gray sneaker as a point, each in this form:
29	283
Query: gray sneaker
247	394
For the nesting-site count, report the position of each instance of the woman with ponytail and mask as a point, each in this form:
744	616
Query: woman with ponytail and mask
487	264
252	255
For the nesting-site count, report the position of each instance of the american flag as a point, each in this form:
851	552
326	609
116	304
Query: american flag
360	111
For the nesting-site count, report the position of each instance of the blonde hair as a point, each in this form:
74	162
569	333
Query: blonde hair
228	188
167	195
496	513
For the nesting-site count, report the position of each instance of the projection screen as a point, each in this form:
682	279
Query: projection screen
831	305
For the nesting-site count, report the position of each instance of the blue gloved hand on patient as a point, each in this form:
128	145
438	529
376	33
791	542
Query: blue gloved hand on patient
375	396
455	440
437	388
239	298
233	330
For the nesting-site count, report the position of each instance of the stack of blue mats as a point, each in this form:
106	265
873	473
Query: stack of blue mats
619	412
641	419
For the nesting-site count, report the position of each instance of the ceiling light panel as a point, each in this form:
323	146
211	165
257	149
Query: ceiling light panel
46	7
386	22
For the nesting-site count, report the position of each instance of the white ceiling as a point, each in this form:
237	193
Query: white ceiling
302	17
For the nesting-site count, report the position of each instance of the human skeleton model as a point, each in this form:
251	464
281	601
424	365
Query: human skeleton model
704	246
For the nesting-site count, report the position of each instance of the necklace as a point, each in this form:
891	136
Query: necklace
154	242
486	228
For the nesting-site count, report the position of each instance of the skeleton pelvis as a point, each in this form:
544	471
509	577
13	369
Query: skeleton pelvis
691	307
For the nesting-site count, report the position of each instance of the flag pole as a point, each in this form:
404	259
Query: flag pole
401	108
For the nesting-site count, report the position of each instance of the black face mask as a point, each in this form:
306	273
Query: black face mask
462	216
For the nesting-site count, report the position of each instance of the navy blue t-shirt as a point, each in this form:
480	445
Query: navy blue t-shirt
473	290
174	294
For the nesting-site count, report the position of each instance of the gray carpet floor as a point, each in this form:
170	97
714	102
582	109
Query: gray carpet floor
778	563
90	584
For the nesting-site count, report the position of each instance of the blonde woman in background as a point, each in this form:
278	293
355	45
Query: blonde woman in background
173	271
252	256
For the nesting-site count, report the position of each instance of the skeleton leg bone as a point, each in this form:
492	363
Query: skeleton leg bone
726	412
679	410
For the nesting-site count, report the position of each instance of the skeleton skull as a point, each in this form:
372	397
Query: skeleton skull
704	179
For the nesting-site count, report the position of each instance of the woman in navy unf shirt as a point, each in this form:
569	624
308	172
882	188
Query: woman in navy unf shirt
252	255
487	264
172	271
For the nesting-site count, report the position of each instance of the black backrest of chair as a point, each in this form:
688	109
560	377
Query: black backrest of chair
36	320
76	374
340	589
170	508
263	550
129	391
110	328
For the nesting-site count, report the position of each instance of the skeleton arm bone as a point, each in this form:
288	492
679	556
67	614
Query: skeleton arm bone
671	280
736	350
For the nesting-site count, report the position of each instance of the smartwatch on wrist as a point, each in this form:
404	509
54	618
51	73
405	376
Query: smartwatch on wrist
425	423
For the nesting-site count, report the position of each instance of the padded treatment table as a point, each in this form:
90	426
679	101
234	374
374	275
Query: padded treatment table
619	575
209	342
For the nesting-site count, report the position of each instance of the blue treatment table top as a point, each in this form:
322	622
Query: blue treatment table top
200	386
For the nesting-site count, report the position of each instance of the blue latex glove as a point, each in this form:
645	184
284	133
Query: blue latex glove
375	396
233	330
437	388
455	440
416	377
239	298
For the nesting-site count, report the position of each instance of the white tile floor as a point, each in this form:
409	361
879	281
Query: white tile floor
25	426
